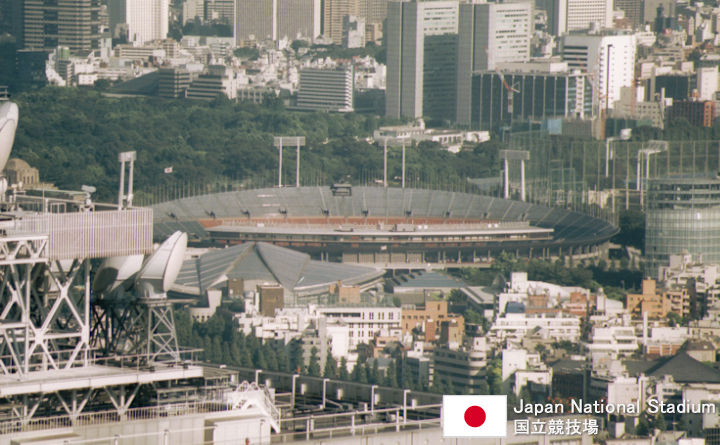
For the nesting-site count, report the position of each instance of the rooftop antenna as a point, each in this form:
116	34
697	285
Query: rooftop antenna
125	200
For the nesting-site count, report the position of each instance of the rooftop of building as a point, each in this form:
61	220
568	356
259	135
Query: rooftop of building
293	270
681	367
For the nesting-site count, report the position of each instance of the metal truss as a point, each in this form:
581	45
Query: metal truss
141	327
44	308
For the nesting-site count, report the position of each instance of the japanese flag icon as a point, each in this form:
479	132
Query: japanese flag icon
474	416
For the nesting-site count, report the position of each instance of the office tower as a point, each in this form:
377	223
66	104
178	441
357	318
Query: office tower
145	20
650	9
609	61
576	15
326	89
529	91
633	10
193	9
71	23
222	11
421	59
489	33
11	19
275	19
353	32
334	12
707	82
173	82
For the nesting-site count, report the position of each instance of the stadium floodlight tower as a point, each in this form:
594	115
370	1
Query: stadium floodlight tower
398	141
289	141
653	147
125	198
514	155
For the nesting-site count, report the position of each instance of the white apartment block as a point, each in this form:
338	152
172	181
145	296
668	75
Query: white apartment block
464	366
613	341
609	61
364	323
515	327
276	19
326	89
146	20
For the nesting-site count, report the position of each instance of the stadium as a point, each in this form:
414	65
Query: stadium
392	227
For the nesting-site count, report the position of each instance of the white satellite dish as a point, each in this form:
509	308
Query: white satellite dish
9	115
115	270
163	266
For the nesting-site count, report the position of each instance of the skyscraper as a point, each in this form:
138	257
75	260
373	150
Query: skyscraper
489	33
11	19
276	19
146	20
576	15
609	61
335	11
71	23
421	59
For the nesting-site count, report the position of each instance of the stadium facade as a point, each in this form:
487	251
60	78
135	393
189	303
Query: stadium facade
392	227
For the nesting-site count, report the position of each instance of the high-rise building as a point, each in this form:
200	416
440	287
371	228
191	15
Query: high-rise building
609	61
326	89
145	20
276	19
193	9
522	92
334	12
71	23
421	59
173	82
576	15
633	10
11	19
222	11
489	33
707	82
353	32
683	216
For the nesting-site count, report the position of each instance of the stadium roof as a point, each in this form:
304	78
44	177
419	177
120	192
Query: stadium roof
293	270
319	203
682	367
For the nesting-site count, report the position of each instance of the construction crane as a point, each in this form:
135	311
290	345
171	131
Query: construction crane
510	90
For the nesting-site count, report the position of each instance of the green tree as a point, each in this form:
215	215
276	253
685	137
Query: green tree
331	371
643	426
313	368
391	375
296	356
359	374
632	229
342	369
494	377
374	373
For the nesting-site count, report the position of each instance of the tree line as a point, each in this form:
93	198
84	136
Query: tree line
223	343
65	130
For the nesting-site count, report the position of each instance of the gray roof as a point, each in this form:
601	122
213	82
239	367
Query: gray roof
431	280
293	270
684	369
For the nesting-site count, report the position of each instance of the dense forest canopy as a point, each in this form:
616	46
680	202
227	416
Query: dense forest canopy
73	137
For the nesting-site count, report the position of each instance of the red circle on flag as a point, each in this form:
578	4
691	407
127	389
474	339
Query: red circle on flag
475	416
